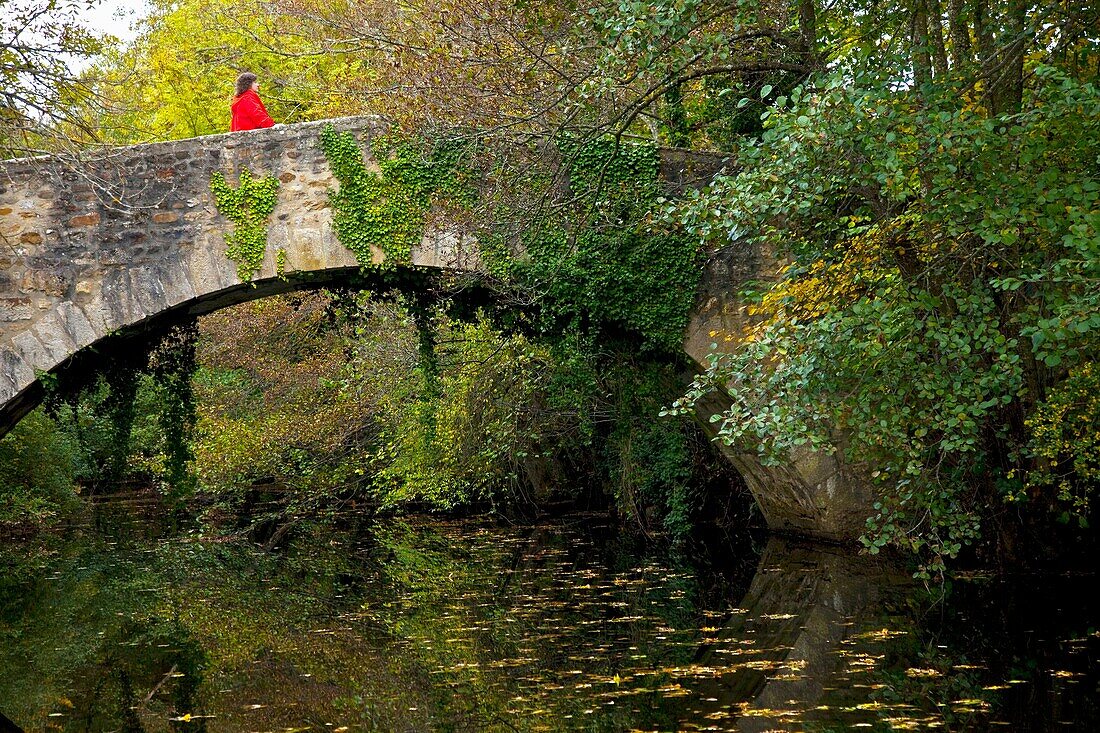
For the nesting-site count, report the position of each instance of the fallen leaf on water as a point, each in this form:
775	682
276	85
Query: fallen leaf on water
921	672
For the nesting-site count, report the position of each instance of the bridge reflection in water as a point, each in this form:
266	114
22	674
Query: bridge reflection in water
427	624
797	639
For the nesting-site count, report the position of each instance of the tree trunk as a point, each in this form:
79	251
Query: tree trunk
922	60
935	33
960	34
675	118
807	30
1011	93
983	33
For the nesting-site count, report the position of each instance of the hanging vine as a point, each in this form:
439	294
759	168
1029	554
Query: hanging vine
102	403
172	365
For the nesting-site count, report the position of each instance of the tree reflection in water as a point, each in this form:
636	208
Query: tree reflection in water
424	624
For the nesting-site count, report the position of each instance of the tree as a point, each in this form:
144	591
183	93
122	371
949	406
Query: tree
175	80
937	199
43	95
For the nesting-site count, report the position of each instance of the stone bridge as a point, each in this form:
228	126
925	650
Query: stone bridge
131	238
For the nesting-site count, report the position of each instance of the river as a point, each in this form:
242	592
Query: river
420	624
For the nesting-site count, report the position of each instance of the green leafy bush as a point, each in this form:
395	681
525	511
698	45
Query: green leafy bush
942	280
37	472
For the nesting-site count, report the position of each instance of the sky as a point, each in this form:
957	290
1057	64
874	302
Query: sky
115	17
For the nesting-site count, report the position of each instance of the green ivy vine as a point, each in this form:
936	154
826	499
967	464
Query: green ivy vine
280	264
387	210
248	206
604	261
173	365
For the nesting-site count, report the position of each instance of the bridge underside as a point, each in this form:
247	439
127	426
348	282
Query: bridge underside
84	364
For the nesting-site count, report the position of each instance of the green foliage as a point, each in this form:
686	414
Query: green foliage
497	419
606	276
41	44
471	428
1065	438
491	416
269	408
395	402
127	420
603	264
930	175
650	462
280	263
380	216
173	367
248	207
38	464
188	54
98	418
915	326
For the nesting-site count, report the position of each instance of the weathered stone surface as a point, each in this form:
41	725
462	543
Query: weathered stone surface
85	262
87	220
16	309
80	263
812	493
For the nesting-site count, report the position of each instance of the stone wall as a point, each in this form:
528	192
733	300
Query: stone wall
812	494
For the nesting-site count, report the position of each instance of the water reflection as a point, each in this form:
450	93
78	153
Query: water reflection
568	625
779	655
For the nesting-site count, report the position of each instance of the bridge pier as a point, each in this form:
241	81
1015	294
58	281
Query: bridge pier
812	494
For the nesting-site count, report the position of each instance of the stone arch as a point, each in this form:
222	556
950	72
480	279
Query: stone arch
80	364
133	236
115	244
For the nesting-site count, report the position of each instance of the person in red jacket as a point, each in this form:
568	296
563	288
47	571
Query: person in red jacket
249	112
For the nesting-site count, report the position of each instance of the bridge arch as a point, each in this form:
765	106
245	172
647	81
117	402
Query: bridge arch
133	237
112	247
82	364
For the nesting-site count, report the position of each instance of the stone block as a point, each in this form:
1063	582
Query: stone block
76	325
86	220
51	283
30	350
15	374
54	338
16	309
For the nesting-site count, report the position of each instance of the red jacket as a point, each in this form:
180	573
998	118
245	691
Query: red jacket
249	113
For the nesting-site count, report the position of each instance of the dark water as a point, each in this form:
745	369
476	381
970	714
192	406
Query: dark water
567	625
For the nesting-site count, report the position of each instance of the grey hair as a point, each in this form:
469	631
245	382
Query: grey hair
244	82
